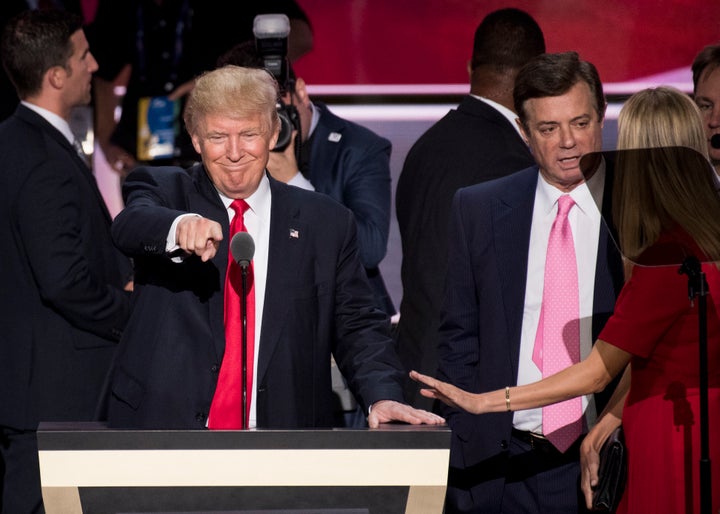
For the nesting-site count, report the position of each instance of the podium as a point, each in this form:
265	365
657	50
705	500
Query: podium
88	468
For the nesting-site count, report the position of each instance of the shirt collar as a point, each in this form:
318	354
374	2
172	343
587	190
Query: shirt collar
53	119
507	113
314	120
256	201
587	196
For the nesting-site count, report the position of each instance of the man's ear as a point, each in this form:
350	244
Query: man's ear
301	91
522	131
55	76
196	143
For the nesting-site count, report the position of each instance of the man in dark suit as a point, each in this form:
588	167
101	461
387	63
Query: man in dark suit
347	162
61	278
311	298
478	141
492	308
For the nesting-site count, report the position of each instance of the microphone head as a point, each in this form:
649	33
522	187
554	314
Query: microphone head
715	141
242	248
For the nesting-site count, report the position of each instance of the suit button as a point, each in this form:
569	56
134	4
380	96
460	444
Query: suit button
504	444
200	417
215	368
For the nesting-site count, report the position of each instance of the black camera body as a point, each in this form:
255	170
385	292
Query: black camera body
271	40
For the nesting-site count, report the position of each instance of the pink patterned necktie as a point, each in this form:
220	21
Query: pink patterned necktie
557	342
226	408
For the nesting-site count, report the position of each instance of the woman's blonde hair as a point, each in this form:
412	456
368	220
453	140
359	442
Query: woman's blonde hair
671	183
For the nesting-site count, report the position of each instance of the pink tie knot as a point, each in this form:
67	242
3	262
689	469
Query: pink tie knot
565	203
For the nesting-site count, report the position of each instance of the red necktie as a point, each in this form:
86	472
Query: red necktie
225	411
557	343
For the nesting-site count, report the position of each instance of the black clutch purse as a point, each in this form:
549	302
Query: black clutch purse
612	473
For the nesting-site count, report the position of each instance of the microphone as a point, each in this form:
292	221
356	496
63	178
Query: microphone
715	141
242	248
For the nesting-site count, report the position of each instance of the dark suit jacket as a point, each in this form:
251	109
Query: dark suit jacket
483	312
61	300
471	144
351	164
317	301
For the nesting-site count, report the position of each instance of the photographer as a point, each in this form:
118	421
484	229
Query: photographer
156	48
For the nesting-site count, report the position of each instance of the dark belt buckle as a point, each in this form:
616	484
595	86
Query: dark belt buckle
538	442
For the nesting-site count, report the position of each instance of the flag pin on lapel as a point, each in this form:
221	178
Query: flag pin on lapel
294	234
334	137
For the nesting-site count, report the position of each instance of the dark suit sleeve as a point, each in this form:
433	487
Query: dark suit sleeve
364	351
55	239
143	225
367	194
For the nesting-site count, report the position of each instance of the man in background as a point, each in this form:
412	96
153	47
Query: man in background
706	86
478	141
156	48
63	304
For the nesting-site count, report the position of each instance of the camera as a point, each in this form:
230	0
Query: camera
271	40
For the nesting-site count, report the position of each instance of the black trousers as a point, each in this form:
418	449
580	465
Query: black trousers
20	493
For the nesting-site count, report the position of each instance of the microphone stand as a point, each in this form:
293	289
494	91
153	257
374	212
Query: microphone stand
243	316
697	286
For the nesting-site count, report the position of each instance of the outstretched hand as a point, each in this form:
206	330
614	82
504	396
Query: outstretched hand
447	393
386	411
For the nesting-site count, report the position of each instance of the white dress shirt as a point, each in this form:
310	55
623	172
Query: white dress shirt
585	220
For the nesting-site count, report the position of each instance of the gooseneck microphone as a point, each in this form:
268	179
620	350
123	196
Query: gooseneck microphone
715	141
242	249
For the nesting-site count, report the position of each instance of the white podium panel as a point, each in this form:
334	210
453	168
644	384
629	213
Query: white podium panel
87	468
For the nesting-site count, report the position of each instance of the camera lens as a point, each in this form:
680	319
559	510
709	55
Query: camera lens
289	121
286	129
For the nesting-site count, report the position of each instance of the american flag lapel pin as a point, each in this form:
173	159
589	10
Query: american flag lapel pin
294	234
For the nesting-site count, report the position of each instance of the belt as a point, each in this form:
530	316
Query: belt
536	441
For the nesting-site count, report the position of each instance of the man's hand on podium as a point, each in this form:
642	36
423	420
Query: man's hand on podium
386	411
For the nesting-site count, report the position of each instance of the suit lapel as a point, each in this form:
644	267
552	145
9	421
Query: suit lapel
81	167
324	152
289	240
512	219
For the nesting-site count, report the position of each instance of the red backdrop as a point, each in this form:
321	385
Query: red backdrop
430	41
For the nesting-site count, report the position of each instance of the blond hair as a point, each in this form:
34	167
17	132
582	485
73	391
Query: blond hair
235	92
671	182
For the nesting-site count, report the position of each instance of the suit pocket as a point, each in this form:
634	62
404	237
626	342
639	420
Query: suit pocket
127	389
